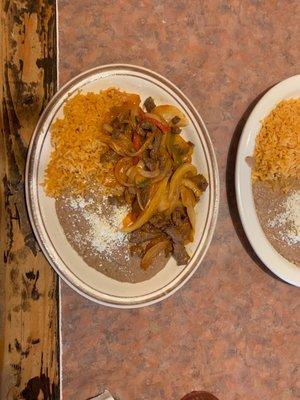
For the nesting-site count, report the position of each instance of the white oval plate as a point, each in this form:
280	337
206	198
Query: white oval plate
286	270
64	259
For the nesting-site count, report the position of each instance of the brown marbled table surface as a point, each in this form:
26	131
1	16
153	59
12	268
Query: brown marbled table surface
233	329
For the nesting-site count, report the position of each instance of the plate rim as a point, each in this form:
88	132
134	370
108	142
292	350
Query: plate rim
110	68
273	92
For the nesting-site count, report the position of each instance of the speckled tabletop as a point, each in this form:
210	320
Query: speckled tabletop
234	328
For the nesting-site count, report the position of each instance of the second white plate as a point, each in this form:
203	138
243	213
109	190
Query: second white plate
289	88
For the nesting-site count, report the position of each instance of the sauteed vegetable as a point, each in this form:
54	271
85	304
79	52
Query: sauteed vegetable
155	169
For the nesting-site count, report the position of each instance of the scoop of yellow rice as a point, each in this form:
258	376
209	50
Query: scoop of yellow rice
277	147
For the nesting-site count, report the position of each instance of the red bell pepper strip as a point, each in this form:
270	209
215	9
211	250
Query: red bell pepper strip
136	140
137	143
164	128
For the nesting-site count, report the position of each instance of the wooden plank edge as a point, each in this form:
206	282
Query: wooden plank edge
30	364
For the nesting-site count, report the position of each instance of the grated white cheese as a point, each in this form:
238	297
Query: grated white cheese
289	218
78	202
104	235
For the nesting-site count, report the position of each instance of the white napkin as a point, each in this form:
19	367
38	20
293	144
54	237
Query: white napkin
103	396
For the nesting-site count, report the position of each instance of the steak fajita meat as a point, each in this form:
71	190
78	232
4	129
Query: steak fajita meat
145	233
200	181
149	104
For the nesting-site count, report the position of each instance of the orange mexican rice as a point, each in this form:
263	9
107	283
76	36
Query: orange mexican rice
75	159
277	148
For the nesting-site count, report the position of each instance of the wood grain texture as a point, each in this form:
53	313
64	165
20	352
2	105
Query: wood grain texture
28	285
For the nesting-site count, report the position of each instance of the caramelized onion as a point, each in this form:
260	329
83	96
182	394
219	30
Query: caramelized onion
120	146
149	174
153	252
120	170
164	203
178	177
187	197
117	148
138	196
151	208
166	172
131	173
168	112
192	185
155	117
143	147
